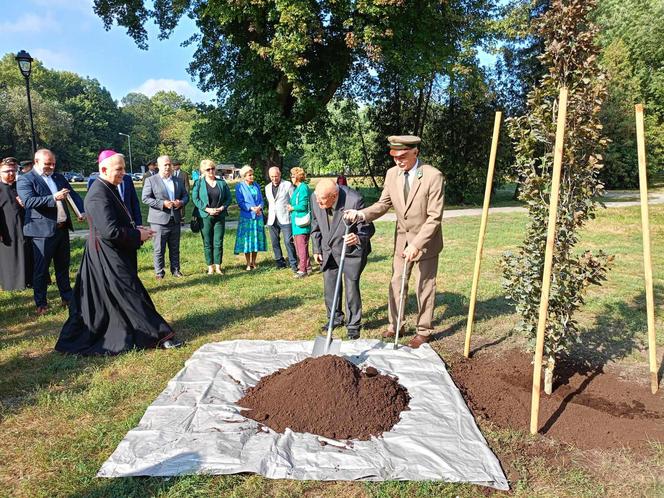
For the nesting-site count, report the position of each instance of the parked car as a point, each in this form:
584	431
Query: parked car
137	177
73	176
92	178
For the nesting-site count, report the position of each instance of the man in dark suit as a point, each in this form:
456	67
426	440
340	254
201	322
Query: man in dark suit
328	203
184	177
152	170
47	221
128	195
165	195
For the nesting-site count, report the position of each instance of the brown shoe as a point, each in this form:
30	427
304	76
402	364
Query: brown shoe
388	334
41	310
418	340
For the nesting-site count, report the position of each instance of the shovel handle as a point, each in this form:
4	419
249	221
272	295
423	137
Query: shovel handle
337	289
401	296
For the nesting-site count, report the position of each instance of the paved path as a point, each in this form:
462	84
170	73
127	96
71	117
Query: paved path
654	198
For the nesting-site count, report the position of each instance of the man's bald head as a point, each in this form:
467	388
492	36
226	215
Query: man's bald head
45	161
275	175
327	192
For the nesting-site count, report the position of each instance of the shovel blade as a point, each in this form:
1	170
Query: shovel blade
320	349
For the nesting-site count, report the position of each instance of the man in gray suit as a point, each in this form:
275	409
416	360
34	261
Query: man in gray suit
278	193
165	195
328	203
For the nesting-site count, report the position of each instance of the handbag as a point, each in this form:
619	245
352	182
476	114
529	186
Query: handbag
195	224
303	221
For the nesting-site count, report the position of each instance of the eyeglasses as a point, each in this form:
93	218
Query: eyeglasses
8	172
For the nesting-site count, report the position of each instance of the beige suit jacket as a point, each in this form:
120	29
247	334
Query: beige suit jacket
419	218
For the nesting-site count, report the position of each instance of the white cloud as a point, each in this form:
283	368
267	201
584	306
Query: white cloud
152	86
30	23
53	59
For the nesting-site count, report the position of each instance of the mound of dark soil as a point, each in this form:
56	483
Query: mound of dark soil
328	396
592	409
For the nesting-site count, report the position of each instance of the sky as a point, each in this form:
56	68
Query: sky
68	35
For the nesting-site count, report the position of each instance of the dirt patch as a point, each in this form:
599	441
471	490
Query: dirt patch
328	396
593	409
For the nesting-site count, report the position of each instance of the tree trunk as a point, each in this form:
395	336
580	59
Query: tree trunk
365	153
548	374
426	106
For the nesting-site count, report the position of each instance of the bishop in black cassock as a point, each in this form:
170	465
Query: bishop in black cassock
15	251
111	310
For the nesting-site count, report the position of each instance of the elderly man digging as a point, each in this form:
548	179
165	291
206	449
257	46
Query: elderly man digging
328	203
416	191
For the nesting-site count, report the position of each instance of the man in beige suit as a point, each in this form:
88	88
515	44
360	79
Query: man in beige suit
416	191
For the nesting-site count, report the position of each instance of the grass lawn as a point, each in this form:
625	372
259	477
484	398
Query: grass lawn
62	416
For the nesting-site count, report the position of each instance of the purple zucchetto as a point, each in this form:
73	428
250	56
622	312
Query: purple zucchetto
105	154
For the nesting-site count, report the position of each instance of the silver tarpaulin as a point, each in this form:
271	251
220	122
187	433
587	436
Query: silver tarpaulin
195	427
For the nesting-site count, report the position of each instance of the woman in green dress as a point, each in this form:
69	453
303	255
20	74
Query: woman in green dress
211	196
301	220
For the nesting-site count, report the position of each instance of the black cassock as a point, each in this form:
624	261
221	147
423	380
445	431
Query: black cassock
15	251
110	311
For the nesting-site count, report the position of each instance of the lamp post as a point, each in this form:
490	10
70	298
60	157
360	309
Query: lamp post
131	166
25	65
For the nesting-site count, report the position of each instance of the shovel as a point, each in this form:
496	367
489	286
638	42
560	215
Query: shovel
401	298
326	345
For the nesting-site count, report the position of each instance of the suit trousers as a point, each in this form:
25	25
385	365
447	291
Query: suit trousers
302	246
287	231
45	249
213	231
350	287
425	292
166	235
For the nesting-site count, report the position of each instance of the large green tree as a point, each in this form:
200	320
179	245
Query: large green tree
275	64
632	42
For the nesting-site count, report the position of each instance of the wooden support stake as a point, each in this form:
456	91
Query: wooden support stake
548	258
480	242
647	260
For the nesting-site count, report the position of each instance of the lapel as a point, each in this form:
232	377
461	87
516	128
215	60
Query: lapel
176	184
39	180
202	191
268	192
162	185
417	181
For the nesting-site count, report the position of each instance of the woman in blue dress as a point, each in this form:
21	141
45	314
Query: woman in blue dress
250	230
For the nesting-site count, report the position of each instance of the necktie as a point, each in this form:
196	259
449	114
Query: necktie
406	186
329	216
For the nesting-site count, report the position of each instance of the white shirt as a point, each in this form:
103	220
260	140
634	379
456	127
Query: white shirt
412	173
62	215
170	187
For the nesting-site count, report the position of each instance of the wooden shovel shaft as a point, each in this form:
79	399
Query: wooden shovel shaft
480	242
647	259
548	258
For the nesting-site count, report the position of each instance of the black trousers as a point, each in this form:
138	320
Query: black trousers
45	249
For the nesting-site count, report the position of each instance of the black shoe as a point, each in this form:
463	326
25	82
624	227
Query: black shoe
334	326
177	274
353	334
171	344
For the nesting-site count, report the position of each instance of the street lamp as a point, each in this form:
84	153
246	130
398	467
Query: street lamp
131	166
25	65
